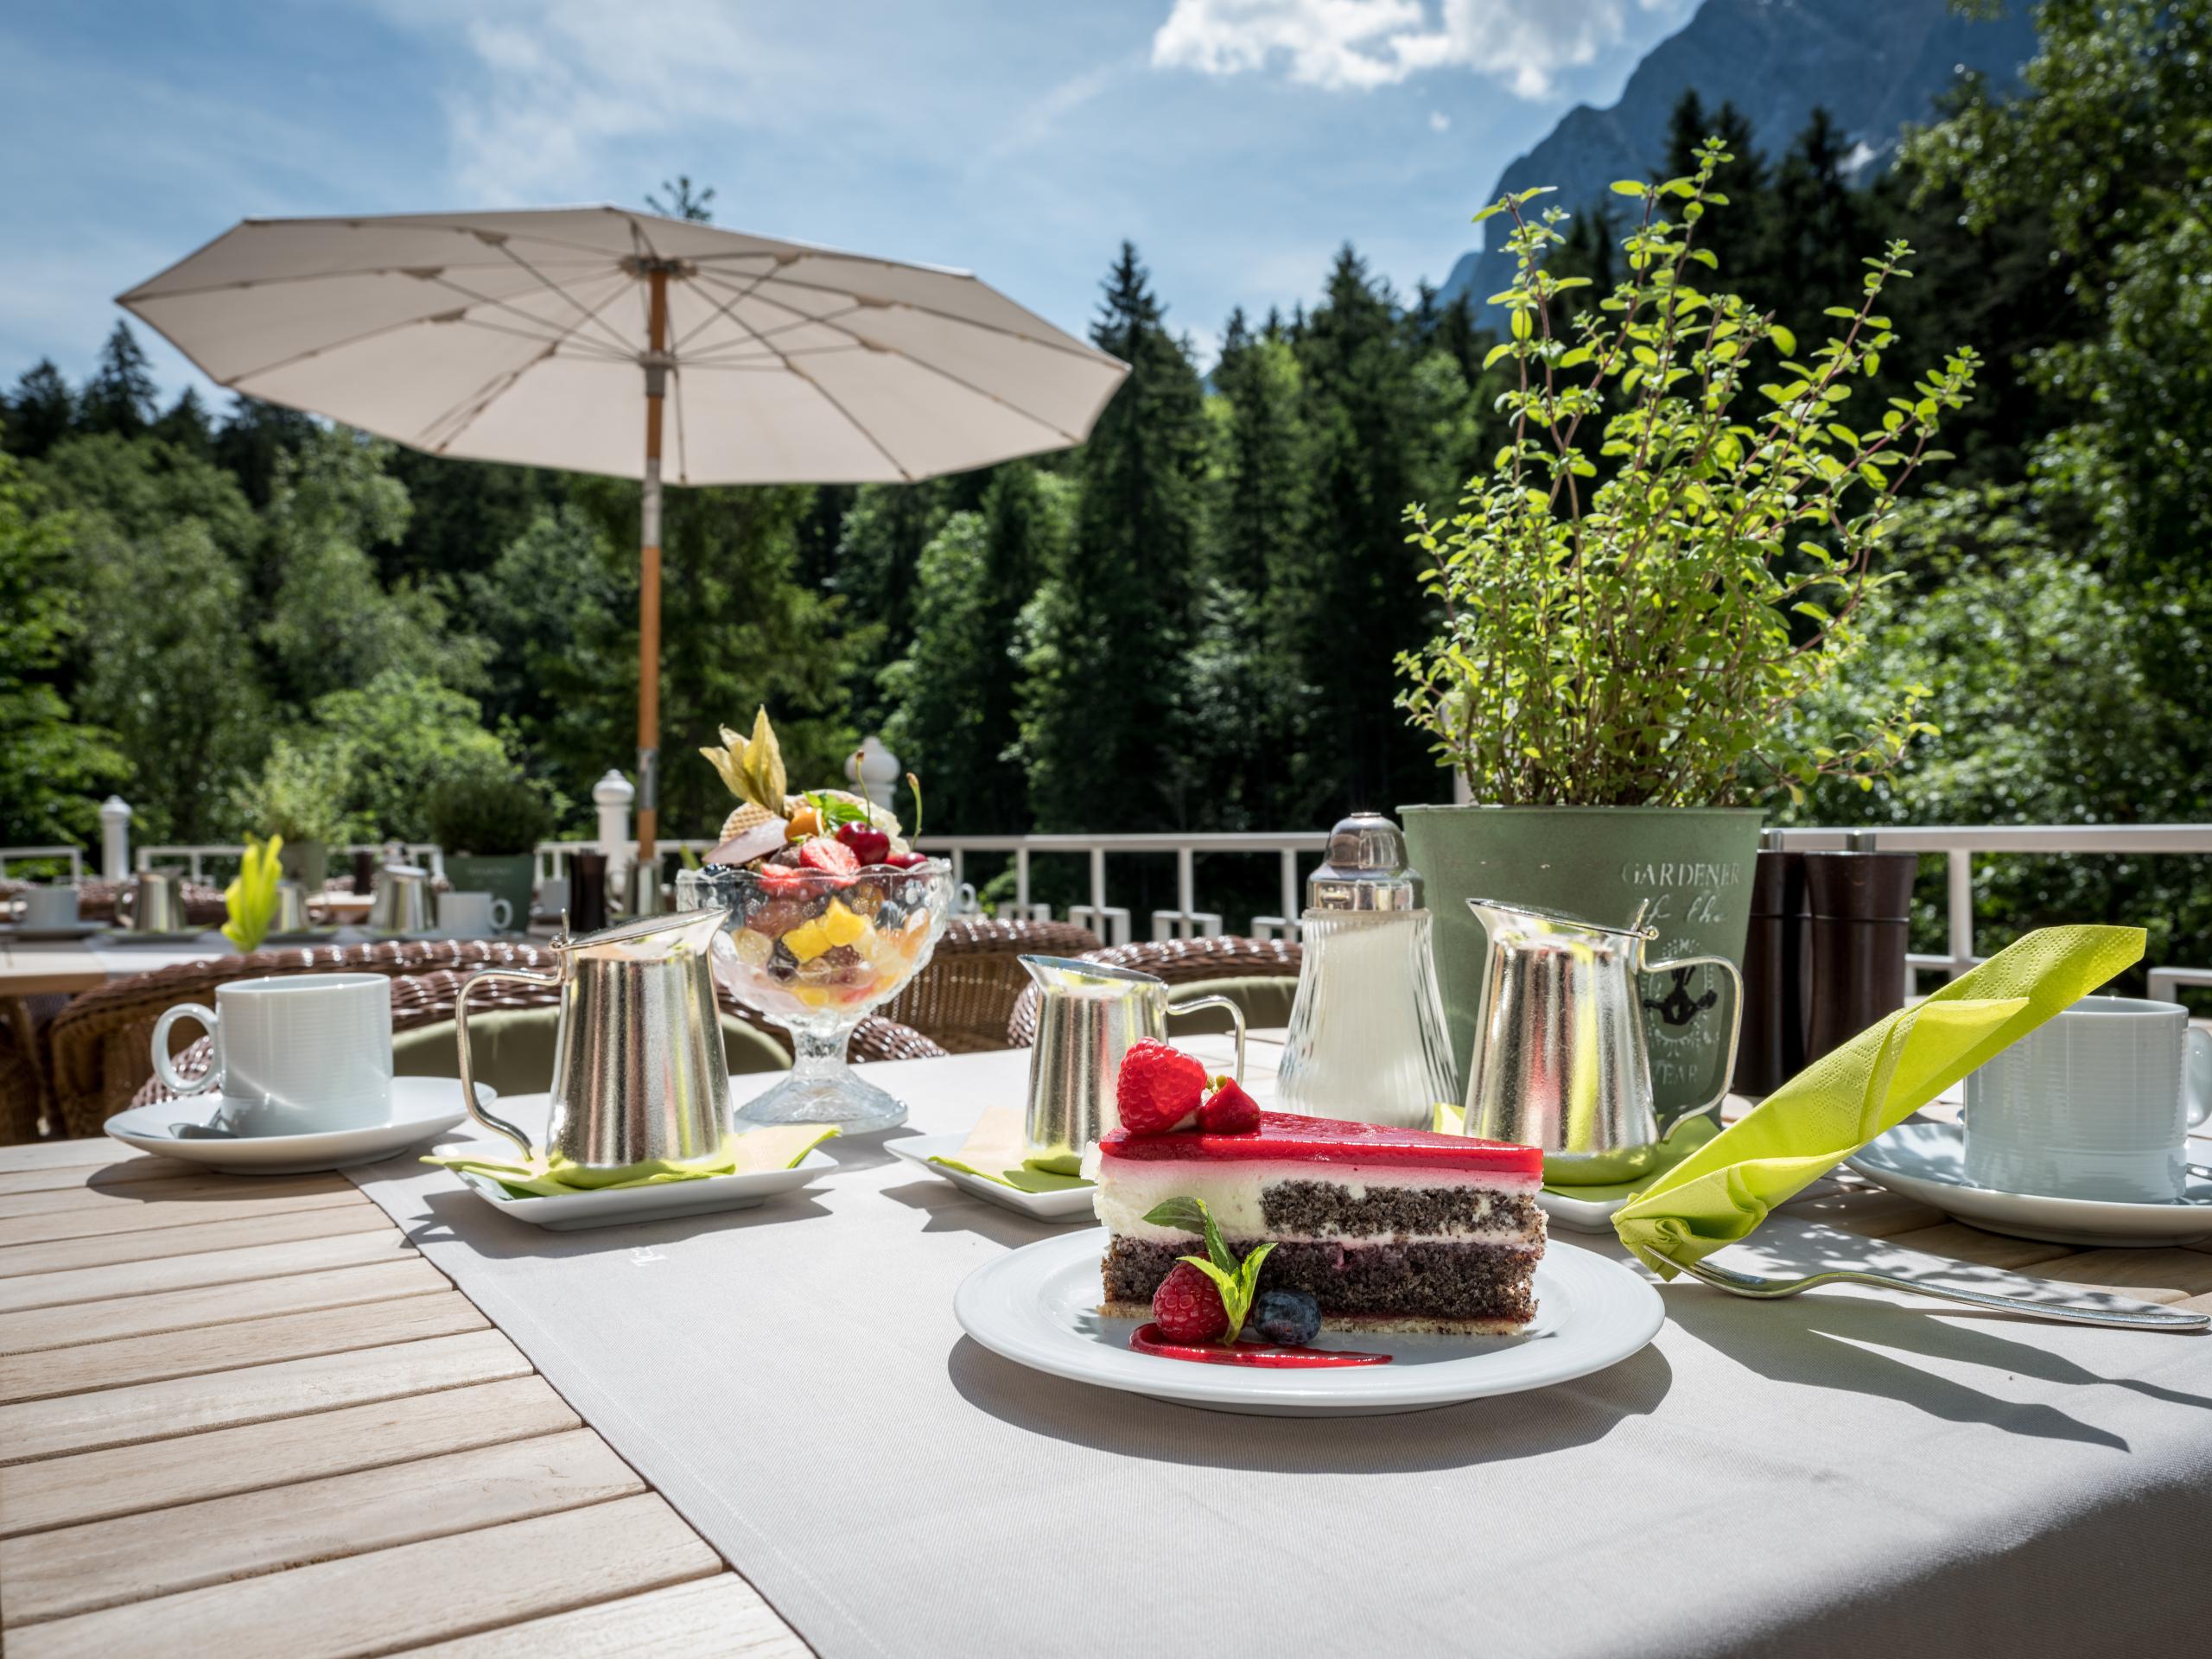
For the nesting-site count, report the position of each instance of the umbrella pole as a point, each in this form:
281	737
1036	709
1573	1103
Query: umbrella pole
648	580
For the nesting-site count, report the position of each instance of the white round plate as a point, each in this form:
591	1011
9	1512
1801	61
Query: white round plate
1038	1307
1927	1162
420	1108
1061	1205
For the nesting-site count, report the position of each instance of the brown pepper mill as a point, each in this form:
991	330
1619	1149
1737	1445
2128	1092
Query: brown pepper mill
586	891
1771	1050
1859	920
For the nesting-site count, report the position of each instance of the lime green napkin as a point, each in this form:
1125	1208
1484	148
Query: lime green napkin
250	901
778	1148
994	1150
1873	1083
1685	1138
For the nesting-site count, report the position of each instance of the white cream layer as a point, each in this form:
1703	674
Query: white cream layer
1129	1189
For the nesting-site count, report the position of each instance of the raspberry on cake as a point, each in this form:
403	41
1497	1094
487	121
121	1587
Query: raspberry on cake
1389	1230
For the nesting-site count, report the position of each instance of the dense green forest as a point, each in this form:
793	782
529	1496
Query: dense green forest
1189	623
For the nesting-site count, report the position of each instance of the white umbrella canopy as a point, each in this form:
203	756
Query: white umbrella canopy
597	339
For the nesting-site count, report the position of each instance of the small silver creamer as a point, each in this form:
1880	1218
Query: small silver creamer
638	1067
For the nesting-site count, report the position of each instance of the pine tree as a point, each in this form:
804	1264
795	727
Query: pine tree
41	414
119	398
186	426
1105	718
1813	238
254	437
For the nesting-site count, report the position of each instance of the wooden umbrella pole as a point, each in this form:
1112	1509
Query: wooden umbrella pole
649	577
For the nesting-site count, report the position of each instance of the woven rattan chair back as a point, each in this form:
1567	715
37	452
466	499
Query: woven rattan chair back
964	998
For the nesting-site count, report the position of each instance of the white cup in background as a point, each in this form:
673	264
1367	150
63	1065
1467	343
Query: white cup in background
49	907
473	914
298	1054
2096	1103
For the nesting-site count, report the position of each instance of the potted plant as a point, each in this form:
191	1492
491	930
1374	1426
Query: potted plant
489	819
1667	555
300	798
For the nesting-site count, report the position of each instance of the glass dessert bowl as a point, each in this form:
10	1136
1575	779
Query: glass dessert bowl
814	952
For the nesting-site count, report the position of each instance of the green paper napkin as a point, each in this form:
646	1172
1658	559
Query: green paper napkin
1870	1084
994	1150
1685	1138
777	1147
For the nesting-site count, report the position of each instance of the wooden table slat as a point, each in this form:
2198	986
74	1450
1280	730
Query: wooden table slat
108	1563
201	1269
721	1617
160	1474
154	1411
124	1165
210	1307
105	1220
197	1188
62	1255
398	1598
127	1360
1959	1242
2149	1275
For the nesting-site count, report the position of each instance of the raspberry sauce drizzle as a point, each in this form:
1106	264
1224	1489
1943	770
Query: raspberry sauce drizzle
1146	1339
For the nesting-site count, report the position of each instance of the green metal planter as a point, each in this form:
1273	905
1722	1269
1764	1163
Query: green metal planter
1693	865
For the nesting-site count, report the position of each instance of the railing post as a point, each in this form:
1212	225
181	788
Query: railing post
1290	906
613	795
1098	880
1021	879
1960	870
115	838
1186	890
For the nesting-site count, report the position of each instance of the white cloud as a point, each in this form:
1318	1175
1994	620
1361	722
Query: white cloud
1363	44
1439	121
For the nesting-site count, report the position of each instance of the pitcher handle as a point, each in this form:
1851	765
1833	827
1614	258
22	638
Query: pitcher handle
1735	1022
496	1124
1236	1018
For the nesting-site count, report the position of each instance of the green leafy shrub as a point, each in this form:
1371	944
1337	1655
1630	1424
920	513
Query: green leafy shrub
1640	638
300	796
488	811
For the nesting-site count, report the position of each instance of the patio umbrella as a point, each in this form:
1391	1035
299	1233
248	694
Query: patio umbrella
602	340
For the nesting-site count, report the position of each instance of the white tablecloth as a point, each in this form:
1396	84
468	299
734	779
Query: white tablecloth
1843	1473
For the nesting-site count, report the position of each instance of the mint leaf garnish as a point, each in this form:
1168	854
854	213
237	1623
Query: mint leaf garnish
1238	1281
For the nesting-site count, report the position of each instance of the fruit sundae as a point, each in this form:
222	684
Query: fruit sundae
830	909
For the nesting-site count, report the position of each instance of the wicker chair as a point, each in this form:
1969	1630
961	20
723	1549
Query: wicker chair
100	1043
22	1064
966	995
1225	965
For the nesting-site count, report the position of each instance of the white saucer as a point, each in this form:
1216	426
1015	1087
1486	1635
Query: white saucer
1038	1306
420	1108
1927	1162
180	936
1067	1204
30	935
611	1205
1579	1215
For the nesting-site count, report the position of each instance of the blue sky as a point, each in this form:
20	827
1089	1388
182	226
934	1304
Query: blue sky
1238	142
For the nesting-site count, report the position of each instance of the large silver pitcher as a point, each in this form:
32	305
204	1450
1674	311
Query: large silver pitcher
638	1065
153	903
1560	1059
1089	1015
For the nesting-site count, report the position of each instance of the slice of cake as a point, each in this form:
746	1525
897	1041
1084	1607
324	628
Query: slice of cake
1387	1230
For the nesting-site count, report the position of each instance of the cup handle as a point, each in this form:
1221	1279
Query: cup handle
496	1124
502	913
177	1085
2196	1076
1236	1018
1735	1024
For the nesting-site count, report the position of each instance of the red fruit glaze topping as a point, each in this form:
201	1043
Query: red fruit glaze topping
1158	1087
1285	1136
1151	1339
869	844
1229	1110
1187	1307
830	857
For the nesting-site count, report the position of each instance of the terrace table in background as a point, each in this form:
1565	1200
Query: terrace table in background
245	1417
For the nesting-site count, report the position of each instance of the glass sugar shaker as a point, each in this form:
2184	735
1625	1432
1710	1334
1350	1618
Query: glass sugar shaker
1367	1040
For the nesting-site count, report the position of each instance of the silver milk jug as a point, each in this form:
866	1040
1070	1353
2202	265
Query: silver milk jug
1088	1016
1367	1039
1559	1061
638	1066
402	901
153	903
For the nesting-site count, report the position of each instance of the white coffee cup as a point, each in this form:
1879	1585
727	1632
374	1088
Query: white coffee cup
49	907
473	913
298	1054
2096	1103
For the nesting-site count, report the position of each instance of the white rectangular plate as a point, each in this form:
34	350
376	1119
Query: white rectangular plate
1069	1204
609	1205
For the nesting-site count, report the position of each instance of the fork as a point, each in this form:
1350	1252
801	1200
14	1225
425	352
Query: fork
2139	1316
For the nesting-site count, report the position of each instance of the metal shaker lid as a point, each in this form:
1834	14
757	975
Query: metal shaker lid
1365	869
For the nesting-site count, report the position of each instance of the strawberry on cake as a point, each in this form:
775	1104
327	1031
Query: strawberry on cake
1386	1229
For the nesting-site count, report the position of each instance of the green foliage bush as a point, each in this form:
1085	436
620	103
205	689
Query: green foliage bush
488	811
